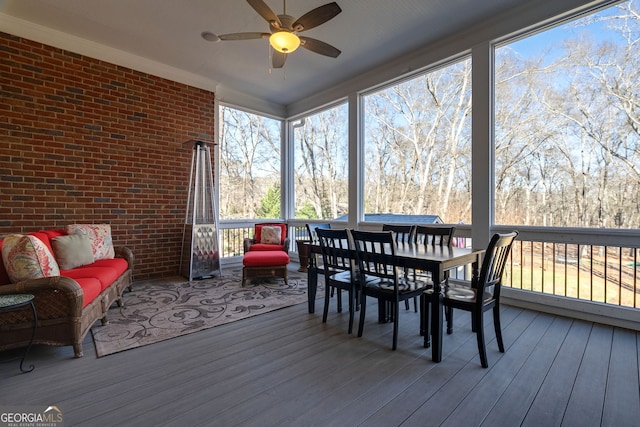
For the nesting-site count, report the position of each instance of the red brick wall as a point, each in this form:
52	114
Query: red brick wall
85	141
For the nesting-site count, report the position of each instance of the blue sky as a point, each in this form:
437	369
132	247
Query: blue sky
538	44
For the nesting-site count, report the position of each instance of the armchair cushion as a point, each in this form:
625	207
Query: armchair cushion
258	232
265	259
271	235
266	247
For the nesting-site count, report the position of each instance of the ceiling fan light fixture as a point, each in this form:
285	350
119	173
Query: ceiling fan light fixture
284	41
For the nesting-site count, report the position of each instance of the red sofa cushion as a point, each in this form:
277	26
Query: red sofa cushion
92	278
106	271
91	288
265	259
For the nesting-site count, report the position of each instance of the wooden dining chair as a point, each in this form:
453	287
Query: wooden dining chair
403	234
311	230
375	254
479	295
339	272
433	235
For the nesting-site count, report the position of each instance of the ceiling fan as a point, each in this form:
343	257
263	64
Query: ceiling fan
284	28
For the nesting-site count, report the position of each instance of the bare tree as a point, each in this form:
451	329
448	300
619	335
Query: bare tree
417	140
321	162
250	161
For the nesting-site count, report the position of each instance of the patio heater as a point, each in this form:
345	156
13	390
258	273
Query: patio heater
200	258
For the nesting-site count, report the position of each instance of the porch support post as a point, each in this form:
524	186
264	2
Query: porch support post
482	163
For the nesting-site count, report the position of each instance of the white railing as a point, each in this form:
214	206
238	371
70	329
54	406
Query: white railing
591	265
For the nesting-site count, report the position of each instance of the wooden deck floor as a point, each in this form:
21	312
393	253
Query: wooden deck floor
286	368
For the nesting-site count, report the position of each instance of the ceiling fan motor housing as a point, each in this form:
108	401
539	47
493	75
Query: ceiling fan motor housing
287	23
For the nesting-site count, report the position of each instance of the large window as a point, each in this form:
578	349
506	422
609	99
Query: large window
321	164
418	145
567	124
249	165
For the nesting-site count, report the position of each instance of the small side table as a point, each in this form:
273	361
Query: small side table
15	302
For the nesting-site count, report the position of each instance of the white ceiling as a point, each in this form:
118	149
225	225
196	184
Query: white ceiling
167	32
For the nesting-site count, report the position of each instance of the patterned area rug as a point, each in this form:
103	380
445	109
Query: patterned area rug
157	310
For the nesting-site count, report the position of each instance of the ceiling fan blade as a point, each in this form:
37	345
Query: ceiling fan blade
243	36
319	47
317	16
277	58
266	12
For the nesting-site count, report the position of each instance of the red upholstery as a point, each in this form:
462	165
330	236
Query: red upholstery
91	288
92	278
265	258
266	247
258	233
53	233
106	271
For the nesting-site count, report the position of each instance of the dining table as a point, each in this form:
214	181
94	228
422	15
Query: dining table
438	260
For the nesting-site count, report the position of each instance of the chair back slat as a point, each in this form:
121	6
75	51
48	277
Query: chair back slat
375	253
493	265
337	254
402	234
434	235
311	230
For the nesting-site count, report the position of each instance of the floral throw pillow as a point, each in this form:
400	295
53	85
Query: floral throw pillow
100	237
26	257
271	235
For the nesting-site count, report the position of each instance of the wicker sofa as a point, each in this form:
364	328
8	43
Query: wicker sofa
67	304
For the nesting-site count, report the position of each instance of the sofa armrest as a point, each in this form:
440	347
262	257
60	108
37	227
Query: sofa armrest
286	245
54	297
126	253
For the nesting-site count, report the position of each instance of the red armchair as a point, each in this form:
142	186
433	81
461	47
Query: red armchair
267	241
267	254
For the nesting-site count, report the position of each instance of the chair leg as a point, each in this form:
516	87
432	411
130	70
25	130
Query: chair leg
363	310
351	309
480	336
496	325
325	312
448	313
396	307
339	296
426	320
